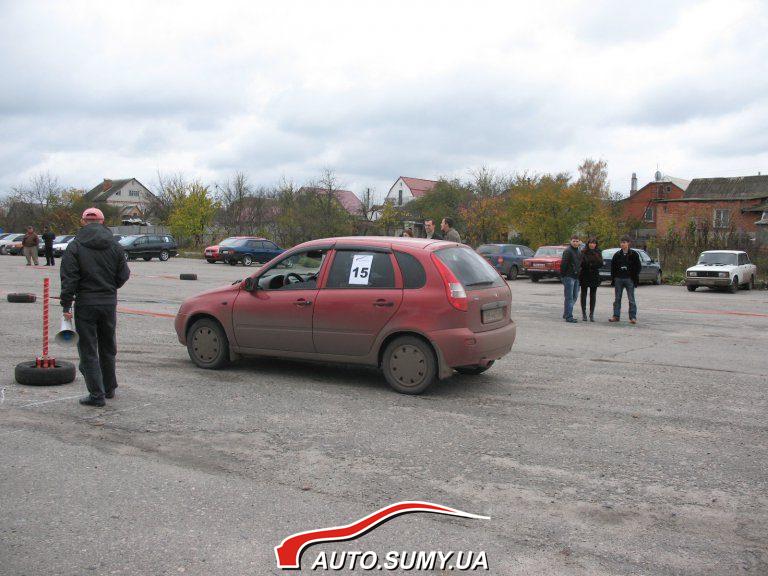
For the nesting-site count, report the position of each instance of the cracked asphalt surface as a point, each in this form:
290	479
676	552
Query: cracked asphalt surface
594	448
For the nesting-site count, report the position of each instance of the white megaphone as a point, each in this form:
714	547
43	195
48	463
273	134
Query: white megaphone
66	335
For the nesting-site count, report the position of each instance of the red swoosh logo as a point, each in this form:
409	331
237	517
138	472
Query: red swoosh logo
289	551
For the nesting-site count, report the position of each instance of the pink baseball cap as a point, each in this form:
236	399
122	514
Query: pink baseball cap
93	214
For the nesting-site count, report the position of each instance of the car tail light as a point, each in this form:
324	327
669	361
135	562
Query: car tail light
457	297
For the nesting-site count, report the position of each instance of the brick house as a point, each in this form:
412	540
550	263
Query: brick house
641	206
720	204
347	199
128	194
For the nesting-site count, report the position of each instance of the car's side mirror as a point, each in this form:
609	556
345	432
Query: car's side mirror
249	285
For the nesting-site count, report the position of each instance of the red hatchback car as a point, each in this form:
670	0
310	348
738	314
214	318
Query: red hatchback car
418	309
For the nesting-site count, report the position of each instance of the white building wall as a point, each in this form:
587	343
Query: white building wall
394	192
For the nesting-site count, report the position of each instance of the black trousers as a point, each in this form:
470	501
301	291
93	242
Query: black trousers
97	347
49	256
592	299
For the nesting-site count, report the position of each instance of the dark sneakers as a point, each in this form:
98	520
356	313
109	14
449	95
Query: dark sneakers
110	394
91	401
572	320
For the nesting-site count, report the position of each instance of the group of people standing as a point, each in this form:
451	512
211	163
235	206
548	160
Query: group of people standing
580	271
29	246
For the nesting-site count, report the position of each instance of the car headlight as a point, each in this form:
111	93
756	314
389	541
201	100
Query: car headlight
723	274
692	274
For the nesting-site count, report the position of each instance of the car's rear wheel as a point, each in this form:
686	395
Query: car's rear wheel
657	280
534	278
513	272
247	260
409	365
751	284
691	288
734	287
207	344
210	261
164	255
473	370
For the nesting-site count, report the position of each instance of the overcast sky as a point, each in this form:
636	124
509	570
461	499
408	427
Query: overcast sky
375	90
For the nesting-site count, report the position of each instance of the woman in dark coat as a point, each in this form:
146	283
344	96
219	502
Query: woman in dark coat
589	277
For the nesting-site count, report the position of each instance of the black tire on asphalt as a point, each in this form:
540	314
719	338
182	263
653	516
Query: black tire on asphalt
188	276
28	373
21	298
734	287
147	258
423	369
513	272
534	278
232	262
210	261
691	288
247	260
473	370
209	332
164	255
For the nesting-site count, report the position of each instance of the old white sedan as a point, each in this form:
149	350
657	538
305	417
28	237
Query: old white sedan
730	269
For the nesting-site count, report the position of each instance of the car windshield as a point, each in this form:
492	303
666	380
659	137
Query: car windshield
471	269
61	239
127	240
489	249
233	241
722	258
549	251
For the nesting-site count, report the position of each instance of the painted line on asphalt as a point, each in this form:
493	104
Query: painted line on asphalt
712	312
49	401
145	313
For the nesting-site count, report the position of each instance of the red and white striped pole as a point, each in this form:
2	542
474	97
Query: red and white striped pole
46	296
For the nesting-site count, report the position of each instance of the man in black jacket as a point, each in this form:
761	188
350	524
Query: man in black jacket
625	275
48	238
92	269
570	267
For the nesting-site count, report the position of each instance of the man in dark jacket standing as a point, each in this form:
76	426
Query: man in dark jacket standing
92	269
48	237
570	267
625	275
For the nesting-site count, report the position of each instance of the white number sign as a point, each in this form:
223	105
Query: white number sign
361	269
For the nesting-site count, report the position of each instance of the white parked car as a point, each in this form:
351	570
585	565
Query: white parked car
10	239
60	244
729	269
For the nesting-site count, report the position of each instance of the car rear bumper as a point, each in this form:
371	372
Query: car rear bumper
714	282
542	273
462	347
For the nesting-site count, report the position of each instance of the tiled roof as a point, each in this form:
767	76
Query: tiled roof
99	194
418	186
349	200
739	188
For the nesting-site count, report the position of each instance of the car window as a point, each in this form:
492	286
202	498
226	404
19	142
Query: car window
644	257
298	271
717	258
519	250
269	245
489	249
361	269
549	251
746	259
167	239
253	245
471	269
414	275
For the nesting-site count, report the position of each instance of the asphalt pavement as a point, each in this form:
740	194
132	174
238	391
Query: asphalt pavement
594	448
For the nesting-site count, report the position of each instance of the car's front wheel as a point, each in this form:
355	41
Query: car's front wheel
513	272
534	278
409	365
164	255
734	287
247	260
207	344
691	288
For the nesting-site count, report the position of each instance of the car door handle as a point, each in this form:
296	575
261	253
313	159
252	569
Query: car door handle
302	302
384	303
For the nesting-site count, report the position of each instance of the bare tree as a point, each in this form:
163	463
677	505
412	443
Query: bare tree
234	197
593	175
42	191
171	189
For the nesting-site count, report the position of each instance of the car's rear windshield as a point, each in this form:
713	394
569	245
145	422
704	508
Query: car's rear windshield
126	240
718	258
548	251
489	249
471	269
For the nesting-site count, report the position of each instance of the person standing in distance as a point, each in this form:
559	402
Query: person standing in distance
48	237
625	275
592	261
449	232
92	269
570	268
429	228
29	246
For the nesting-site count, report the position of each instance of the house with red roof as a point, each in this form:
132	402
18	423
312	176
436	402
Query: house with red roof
348	200
406	189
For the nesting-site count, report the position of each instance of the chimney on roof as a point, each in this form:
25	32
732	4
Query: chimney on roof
106	185
633	187
658	176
